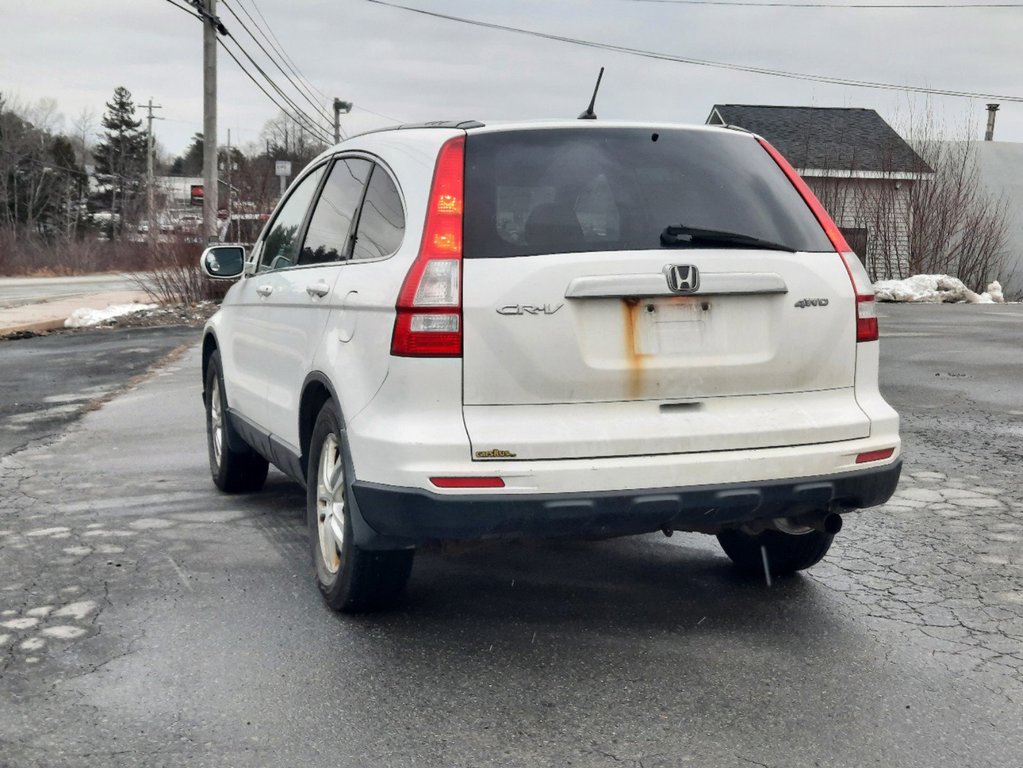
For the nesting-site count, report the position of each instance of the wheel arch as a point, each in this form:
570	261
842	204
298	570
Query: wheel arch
316	390
209	346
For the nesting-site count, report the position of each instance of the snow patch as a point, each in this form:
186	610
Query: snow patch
85	317
20	623
77	610
64	632
935	289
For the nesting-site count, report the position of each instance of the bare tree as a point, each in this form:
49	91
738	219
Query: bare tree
83	128
959	227
936	219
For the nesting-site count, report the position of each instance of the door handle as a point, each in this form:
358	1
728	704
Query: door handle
265	290
319	289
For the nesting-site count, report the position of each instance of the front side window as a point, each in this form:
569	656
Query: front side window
280	248
330	228
382	221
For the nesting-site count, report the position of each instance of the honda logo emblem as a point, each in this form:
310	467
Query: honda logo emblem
682	278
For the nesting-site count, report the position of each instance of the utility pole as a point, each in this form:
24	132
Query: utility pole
340	107
149	168
230	197
209	122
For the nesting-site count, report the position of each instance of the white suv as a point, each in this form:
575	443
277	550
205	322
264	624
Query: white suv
460	331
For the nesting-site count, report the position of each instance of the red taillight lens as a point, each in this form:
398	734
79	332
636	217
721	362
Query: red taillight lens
467	482
869	456
827	223
429	309
866	318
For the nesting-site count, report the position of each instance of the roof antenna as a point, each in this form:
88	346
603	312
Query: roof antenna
589	114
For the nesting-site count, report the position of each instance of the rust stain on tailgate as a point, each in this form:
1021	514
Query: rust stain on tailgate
634	360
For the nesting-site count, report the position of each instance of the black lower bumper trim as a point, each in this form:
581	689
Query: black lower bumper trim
416	515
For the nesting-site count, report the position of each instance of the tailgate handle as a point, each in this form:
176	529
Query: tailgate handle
713	283
319	289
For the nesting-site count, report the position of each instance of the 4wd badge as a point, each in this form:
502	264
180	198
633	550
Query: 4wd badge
804	303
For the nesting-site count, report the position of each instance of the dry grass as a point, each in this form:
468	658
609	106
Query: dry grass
171	275
168	270
36	256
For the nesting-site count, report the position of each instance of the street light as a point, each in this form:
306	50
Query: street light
340	107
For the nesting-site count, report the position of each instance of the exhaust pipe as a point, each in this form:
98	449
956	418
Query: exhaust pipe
827	522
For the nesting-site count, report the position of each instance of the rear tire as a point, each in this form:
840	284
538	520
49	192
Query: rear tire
786	553
233	471
351	579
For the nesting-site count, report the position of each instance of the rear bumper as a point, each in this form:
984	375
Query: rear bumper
412	515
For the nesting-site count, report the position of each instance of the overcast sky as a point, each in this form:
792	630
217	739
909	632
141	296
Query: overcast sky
401	66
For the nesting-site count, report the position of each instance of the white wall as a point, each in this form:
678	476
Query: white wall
1001	171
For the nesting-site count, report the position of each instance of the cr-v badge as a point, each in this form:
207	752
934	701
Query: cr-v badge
682	278
528	309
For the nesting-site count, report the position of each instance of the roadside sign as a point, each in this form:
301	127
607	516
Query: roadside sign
196	194
282	168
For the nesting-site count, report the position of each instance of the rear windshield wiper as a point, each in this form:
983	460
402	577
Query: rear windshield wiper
681	236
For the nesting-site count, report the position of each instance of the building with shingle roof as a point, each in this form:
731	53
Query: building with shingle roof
857	165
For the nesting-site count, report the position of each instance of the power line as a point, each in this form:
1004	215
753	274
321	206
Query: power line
378	114
319	109
315	131
873	6
280	48
189	11
298	115
851	82
307	122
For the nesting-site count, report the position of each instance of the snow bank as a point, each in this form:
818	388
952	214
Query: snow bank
935	289
84	318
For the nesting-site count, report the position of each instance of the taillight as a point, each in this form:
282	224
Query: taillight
428	321
866	316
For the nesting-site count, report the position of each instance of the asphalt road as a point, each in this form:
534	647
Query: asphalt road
19	291
148	620
49	381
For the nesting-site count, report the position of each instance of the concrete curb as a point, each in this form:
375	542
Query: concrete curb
50	315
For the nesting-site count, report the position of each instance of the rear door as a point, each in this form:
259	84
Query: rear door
304	295
591	329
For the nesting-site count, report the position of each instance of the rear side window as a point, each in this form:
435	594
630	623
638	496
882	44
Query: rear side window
331	224
382	221
600	189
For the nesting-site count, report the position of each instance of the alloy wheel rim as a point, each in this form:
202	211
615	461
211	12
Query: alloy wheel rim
216	422
330	504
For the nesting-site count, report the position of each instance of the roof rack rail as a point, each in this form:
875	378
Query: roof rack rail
462	124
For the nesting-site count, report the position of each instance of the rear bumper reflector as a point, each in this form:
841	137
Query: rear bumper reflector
869	456
467	482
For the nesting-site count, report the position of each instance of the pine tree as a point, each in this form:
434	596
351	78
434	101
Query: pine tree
121	154
189	163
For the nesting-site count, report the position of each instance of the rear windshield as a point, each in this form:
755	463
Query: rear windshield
601	189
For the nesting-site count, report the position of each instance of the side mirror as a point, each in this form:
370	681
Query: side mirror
223	262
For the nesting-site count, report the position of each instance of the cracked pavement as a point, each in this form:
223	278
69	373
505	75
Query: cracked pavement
147	619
